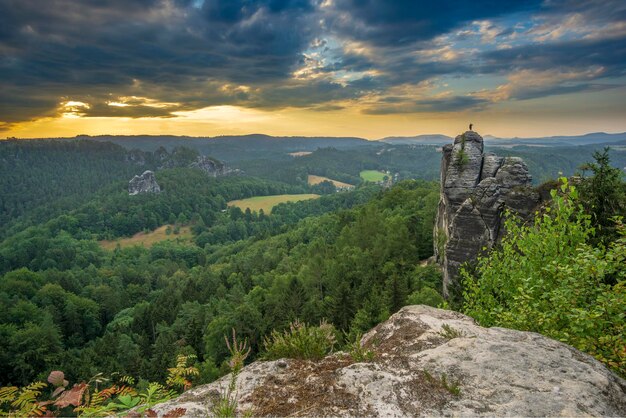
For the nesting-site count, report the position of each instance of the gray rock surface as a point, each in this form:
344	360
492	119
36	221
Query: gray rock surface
476	188
210	166
146	183
428	362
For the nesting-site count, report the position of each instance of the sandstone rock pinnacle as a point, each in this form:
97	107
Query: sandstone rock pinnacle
475	190
146	183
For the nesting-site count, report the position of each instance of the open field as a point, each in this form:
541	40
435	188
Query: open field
150	238
319	179
268	202
372	175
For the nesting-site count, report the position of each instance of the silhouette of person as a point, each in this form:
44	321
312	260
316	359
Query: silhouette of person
471	124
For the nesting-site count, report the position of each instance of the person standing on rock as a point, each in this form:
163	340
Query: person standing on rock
471	124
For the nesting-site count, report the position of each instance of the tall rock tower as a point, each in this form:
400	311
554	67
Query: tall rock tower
475	190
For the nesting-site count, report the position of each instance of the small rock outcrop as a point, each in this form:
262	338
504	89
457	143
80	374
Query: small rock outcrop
428	362
475	190
213	168
146	183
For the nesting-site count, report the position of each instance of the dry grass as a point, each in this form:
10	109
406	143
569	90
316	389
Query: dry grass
268	202
149	239
319	179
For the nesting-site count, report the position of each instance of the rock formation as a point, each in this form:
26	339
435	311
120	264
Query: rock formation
213	168
428	362
475	190
146	183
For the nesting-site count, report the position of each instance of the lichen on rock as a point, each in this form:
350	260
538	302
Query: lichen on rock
428	362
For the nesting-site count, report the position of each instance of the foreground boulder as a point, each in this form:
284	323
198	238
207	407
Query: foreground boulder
427	362
476	188
146	183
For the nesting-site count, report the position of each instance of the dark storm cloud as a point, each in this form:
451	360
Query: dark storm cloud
384	22
196	53
445	104
569	55
593	10
67	48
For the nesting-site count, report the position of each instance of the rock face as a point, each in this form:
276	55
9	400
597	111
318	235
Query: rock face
475	190
210	166
146	183
427	362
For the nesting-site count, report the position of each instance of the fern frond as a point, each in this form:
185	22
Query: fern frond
27	398
7	394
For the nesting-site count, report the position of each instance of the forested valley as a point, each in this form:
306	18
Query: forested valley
351	258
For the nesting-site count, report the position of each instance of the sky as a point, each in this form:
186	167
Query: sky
366	68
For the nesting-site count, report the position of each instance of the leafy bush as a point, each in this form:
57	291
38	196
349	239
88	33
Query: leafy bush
547	278
426	296
357	351
301	341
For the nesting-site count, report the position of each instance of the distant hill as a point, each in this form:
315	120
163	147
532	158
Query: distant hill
434	139
235	147
595	138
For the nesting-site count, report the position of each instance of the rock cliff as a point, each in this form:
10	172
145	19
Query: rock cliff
146	183
475	190
427	362
213	168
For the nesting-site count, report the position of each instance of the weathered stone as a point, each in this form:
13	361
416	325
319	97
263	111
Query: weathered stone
213	168
146	183
428	362
491	165
475	191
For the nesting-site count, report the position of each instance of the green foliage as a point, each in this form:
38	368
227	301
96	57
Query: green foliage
450	333
451	386
357	352
89	399
547	278
603	195
180	375
226	404
301	341
426	296
134	310
461	159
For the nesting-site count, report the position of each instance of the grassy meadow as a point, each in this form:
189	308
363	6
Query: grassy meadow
312	180
373	175
268	202
147	239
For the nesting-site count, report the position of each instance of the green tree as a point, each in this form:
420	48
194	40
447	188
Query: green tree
604	195
547	278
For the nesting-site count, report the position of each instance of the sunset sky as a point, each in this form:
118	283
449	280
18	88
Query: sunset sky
368	68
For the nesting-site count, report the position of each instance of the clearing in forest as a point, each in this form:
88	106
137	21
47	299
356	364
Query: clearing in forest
268	202
148	239
373	175
338	184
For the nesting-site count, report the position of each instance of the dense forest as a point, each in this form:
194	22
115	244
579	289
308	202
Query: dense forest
351	258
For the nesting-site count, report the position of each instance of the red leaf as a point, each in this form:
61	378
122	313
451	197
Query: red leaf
175	413
57	391
73	396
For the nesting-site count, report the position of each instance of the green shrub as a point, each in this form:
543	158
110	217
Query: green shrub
357	352
426	296
547	278
301	341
